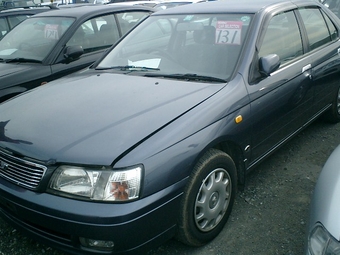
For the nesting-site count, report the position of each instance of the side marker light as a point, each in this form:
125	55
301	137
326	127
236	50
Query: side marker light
238	119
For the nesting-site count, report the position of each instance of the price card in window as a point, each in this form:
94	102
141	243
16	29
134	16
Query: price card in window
228	32
51	32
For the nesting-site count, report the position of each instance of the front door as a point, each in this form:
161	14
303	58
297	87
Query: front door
282	102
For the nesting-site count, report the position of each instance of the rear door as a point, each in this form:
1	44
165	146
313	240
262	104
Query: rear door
322	41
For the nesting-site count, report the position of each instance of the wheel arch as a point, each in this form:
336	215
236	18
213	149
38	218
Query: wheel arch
235	152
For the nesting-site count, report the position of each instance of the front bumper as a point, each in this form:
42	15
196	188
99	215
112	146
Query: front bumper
60	222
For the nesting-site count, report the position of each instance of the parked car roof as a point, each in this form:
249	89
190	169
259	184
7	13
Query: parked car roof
234	6
169	4
145	3
87	10
34	8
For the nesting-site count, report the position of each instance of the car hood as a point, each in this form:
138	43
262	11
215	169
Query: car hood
10	69
11	74
93	119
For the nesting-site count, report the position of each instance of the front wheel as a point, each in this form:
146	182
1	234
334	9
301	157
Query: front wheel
208	198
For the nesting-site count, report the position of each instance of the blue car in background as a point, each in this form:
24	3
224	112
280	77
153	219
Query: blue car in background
10	17
53	44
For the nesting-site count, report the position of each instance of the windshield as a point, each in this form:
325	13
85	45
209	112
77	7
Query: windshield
34	38
201	45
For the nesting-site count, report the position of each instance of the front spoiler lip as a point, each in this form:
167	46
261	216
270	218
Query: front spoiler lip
140	224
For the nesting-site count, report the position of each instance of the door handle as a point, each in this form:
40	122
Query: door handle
306	68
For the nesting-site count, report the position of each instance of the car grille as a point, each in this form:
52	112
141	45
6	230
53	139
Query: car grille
21	172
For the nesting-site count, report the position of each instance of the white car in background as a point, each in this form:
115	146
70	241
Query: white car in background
324	222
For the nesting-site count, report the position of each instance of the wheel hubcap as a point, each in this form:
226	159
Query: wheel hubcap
212	200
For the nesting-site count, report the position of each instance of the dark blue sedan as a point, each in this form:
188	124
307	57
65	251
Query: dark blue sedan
52	44
10	17
152	141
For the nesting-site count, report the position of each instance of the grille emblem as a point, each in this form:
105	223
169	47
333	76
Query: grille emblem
3	165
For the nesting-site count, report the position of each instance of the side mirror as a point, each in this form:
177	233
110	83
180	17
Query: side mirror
269	64
73	52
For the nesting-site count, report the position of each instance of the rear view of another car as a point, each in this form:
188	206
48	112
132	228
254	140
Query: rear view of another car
324	225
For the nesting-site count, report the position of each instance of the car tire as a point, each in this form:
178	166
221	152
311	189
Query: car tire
333	114
208	198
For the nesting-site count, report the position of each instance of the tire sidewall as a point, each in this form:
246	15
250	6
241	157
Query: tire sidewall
216	159
332	115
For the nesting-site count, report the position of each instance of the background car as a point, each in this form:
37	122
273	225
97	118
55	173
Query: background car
9	18
145	3
55	43
169	4
152	140
324	223
333	5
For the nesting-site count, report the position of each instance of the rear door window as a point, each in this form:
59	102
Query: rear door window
103	31
318	31
95	34
127	20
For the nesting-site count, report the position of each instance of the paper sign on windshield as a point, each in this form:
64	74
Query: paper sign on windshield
51	32
228	32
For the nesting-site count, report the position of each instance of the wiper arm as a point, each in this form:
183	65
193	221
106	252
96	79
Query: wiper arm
22	60
129	68
189	77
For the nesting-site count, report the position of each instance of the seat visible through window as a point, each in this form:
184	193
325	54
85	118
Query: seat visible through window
204	54
108	34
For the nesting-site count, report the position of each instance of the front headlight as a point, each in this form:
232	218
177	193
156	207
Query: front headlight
102	184
321	242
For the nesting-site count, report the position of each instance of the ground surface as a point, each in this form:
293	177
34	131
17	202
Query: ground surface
269	216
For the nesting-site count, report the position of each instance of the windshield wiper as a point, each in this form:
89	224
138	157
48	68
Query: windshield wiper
188	77
22	60
129	68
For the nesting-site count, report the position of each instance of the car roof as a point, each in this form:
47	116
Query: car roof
25	10
232	6
136	2
91	10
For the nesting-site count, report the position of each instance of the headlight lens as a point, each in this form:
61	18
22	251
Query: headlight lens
321	242
97	184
